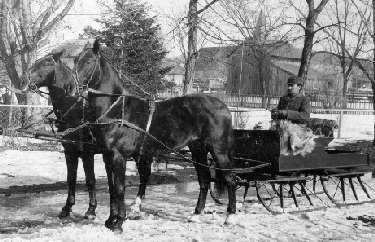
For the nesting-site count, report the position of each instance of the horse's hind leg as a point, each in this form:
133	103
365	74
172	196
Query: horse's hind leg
71	158
223	162
199	155
144	170
88	166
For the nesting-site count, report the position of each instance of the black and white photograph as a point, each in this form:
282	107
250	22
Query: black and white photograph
187	120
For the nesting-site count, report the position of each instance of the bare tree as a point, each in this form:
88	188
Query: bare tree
192	53
23	25
345	37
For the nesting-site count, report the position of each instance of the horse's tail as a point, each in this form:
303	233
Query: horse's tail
220	184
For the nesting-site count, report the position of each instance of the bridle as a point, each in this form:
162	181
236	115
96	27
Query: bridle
84	88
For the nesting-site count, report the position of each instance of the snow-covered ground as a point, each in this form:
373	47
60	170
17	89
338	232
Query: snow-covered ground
165	218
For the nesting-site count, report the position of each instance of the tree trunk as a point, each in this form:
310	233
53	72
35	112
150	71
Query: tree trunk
307	47
192	46
309	36
262	81
373	62
344	77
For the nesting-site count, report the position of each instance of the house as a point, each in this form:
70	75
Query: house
211	68
176	76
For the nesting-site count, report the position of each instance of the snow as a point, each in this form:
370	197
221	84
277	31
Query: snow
165	218
19	168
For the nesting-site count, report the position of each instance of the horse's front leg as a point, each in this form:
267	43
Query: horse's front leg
117	193
71	159
108	161
88	166
144	170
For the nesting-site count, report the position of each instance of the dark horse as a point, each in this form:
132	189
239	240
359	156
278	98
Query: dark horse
51	72
202	123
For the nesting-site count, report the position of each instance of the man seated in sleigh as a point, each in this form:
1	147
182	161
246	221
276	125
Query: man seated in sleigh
291	117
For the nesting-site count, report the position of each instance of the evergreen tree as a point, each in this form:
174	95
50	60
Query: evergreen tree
134	45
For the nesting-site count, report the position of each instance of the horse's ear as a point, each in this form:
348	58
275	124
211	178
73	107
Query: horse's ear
56	56
96	46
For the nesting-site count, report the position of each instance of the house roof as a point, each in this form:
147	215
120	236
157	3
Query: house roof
286	51
293	67
210	56
177	65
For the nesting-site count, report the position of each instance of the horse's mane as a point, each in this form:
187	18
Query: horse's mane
122	76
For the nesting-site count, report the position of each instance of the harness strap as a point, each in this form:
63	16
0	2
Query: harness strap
110	108
71	107
105	94
151	105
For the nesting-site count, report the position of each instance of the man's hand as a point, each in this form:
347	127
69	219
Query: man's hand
279	114
283	113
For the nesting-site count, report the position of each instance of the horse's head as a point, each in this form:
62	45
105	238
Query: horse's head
86	64
42	72
51	72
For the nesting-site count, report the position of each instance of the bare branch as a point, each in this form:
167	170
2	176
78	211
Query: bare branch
44	29
320	6
327	26
206	6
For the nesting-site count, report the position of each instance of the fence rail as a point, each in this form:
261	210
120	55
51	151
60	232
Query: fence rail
317	102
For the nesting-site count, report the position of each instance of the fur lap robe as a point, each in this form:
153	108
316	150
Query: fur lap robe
295	139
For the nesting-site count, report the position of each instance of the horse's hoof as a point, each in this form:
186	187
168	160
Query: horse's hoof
65	212
231	219
195	218
114	223
90	215
136	206
135	215
109	222
117	229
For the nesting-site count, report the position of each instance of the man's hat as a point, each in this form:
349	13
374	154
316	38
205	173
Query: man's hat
295	80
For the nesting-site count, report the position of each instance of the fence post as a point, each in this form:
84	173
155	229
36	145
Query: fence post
340	122
10	114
